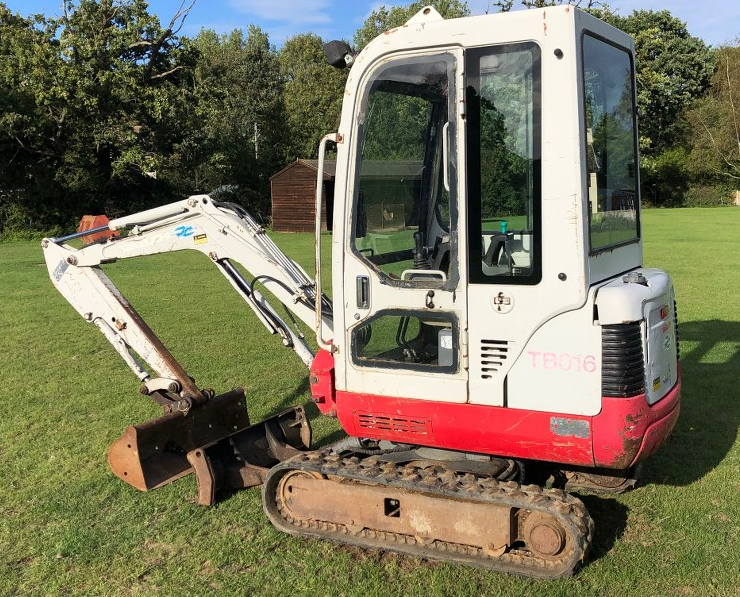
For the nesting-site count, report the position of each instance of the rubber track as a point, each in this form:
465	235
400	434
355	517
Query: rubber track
567	509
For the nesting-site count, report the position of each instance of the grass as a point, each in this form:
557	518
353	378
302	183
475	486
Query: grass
68	526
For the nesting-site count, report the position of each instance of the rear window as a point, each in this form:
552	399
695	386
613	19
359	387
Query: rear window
611	144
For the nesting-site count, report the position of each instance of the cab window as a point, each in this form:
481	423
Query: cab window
611	144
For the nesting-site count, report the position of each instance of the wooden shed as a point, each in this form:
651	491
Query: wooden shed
388	187
293	191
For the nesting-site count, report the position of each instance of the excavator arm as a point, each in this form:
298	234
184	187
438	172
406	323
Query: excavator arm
198	431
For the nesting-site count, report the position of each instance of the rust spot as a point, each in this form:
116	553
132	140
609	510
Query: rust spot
623	455
633	419
630	447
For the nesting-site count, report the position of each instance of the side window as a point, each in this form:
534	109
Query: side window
503	96
401	216
611	147
417	341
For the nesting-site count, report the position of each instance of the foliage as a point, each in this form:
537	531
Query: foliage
505	136
715	123
90	98
396	127
313	92
704	194
504	188
666	177
230	132
105	109
673	69
383	18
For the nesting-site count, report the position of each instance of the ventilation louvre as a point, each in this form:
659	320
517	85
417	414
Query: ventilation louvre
493	353
675	324
392	424
623	361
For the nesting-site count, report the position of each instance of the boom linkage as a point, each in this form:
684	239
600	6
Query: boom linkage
222	231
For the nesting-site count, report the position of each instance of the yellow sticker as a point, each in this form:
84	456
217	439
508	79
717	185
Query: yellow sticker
200	239
656	384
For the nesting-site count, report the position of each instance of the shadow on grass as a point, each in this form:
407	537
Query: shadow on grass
297	396
610	521
710	404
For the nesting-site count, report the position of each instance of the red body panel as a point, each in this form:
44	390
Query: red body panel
626	431
321	378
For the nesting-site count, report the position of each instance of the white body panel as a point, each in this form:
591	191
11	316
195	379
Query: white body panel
559	369
448	387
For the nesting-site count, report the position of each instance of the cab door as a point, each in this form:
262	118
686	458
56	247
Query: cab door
404	291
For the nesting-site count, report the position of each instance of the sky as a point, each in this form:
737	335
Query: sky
715	21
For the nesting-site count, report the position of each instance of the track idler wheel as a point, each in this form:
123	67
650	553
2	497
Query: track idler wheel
543	535
287	489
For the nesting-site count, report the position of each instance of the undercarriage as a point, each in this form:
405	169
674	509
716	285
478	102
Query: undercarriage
431	510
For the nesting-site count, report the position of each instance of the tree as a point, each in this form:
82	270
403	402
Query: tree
313	93
715	121
28	131
673	69
382	19
232	132
91	97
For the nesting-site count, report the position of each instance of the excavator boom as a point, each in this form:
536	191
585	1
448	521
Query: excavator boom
198	431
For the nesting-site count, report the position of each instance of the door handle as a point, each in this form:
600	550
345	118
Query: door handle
363	292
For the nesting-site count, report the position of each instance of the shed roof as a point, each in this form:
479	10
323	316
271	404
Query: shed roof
370	168
330	168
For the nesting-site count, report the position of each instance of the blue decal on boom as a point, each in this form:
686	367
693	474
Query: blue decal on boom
184	231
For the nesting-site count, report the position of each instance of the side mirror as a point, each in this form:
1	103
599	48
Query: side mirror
338	53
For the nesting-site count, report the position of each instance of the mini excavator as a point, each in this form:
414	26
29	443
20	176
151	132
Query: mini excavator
493	341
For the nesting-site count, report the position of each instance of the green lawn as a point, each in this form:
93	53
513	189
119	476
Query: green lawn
68	526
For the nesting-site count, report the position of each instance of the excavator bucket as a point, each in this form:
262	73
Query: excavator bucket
214	440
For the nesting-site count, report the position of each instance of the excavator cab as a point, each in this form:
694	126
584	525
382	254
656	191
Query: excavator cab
487	255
